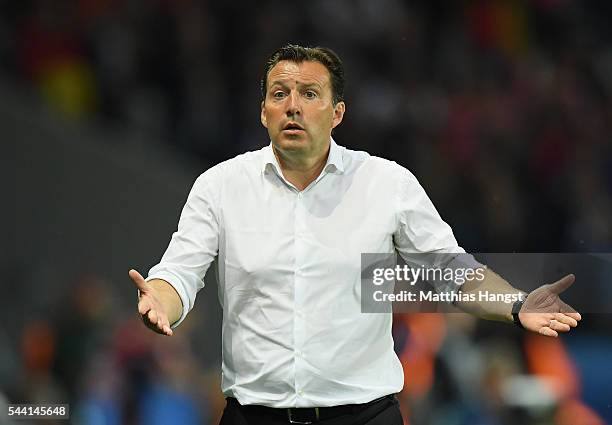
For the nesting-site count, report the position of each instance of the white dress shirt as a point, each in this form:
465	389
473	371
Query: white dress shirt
289	272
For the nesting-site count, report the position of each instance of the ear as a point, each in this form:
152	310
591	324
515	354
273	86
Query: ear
264	121
339	110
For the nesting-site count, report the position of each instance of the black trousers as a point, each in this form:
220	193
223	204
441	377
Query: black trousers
383	412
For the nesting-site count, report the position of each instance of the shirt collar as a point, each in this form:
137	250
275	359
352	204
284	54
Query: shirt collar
334	159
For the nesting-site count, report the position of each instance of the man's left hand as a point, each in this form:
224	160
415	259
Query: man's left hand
545	313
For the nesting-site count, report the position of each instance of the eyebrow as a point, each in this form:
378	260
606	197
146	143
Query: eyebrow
306	85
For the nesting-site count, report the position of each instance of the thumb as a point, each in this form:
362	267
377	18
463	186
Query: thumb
138	280
562	284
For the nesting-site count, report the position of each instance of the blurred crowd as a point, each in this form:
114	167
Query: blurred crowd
107	366
501	108
101	360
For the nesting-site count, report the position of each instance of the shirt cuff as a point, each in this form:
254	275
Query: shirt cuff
179	287
460	261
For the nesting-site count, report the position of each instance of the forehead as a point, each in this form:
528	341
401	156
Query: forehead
306	72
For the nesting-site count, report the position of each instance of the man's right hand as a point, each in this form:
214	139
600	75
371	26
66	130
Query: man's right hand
150	306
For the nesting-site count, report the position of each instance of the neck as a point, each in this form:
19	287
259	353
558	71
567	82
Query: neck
300	170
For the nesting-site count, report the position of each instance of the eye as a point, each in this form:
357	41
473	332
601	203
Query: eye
279	94
310	94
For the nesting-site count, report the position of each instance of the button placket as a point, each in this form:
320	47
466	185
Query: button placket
299	288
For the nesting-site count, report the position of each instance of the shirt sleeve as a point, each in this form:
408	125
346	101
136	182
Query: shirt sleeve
422	238
193	246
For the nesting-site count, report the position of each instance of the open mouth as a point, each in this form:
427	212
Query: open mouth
293	127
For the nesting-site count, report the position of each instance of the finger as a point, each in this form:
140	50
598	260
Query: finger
152	316
559	326
163	329
138	280
546	331
563	318
575	316
166	326
546	320
144	305
562	284
161	322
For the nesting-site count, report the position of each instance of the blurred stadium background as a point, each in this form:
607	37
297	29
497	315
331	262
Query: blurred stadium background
111	108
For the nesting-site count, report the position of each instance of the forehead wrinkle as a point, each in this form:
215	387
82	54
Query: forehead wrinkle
292	72
283	83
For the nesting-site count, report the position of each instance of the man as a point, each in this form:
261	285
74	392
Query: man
288	223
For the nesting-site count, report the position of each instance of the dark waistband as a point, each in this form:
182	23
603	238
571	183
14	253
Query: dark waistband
308	415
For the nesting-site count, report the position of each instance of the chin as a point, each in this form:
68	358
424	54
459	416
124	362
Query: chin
291	143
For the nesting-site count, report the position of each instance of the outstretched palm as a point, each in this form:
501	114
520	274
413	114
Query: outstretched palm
149	306
545	313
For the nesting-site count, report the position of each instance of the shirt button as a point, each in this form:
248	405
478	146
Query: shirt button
300	392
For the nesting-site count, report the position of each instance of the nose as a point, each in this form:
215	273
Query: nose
293	104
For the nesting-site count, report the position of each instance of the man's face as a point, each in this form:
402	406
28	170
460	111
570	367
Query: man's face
298	110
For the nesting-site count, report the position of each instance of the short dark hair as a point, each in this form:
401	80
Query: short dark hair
298	54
